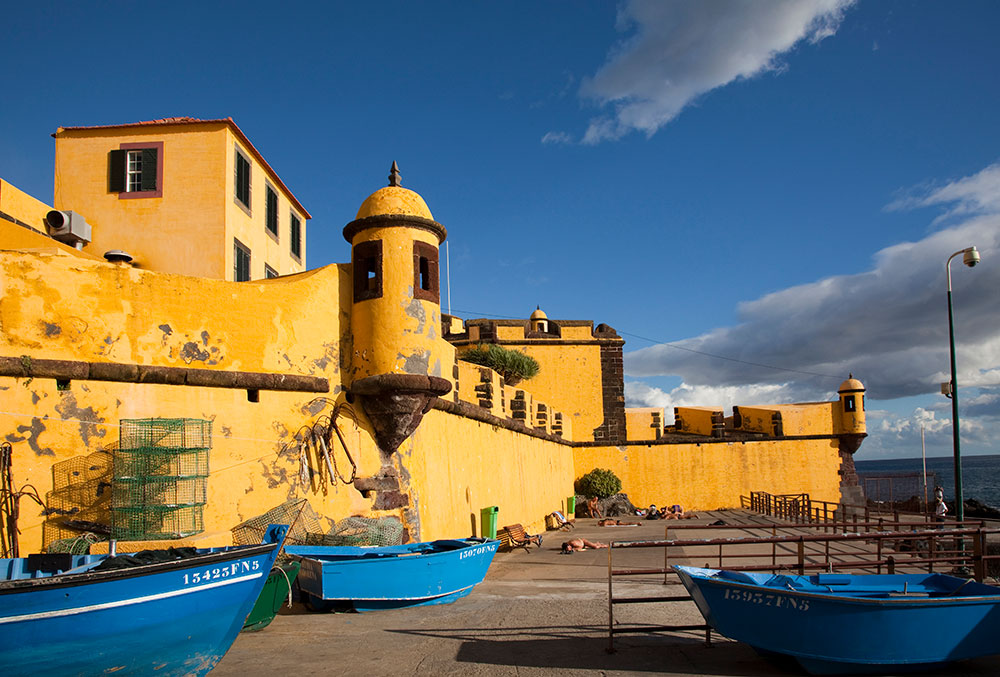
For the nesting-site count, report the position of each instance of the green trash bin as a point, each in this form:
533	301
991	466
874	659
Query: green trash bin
570	507
488	522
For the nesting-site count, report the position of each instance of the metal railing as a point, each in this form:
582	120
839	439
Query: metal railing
801	508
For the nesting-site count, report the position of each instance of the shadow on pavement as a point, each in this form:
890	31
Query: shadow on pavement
583	648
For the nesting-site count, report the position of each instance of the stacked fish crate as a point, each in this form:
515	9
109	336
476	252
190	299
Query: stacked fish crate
160	481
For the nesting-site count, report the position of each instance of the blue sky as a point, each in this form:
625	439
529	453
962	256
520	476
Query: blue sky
776	183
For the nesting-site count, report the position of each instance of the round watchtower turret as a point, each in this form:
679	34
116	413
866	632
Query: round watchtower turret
852	408
539	320
396	309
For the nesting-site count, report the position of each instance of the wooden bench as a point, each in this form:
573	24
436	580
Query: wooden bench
514	536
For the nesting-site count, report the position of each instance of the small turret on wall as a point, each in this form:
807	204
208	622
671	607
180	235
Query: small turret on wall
852	432
398	357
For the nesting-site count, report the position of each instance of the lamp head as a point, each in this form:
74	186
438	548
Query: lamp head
971	257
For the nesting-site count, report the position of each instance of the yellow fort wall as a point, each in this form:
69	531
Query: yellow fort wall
22	223
569	381
58	307
715	475
644	423
457	466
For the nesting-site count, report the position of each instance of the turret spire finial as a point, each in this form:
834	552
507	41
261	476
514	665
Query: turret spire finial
394	177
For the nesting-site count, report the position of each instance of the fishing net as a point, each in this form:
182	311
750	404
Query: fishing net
366	531
74	546
300	517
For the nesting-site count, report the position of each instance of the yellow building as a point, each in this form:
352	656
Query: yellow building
181	195
340	385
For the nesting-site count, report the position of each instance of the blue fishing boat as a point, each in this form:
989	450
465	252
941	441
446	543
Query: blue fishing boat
839	623
371	578
99	614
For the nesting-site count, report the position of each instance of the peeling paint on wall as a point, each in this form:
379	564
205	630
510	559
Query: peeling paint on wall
416	363
191	352
30	435
330	355
89	421
415	309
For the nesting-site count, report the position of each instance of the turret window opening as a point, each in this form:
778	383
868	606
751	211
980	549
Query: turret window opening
849	403
367	257
425	272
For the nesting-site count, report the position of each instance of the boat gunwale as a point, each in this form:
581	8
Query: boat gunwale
827	596
369	555
64	580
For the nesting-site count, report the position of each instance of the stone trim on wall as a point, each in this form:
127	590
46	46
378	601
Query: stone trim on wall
72	370
394	221
613	430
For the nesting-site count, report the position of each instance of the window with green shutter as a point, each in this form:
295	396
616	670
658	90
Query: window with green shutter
242	169
295	226
271	211
241	262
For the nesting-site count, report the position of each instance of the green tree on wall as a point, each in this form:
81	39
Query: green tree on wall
513	365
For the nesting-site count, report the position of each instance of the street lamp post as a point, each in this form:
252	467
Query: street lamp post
970	258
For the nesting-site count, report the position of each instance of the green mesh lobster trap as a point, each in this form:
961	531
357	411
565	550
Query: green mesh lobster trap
160	482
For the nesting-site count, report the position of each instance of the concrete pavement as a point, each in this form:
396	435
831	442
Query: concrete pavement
537	612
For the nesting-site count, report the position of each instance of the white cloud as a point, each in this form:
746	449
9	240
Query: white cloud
639	394
557	137
677	51
976	194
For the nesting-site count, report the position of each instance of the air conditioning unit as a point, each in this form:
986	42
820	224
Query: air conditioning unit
68	227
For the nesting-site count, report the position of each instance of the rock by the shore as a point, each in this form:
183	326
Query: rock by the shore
618	505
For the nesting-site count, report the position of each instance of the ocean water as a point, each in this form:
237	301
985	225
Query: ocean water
980	476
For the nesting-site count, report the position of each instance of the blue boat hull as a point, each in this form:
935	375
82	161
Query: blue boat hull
174	618
437	572
837	624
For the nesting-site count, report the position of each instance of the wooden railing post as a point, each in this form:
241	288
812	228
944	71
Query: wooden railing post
611	611
802	557
891	565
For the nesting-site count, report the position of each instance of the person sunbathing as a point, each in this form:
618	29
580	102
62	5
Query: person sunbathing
575	544
609	522
676	512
